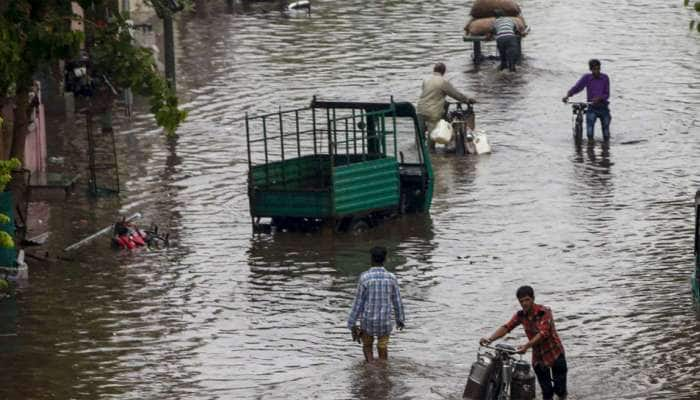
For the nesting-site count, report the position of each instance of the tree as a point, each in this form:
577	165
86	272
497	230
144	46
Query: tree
36	33
113	55
696	6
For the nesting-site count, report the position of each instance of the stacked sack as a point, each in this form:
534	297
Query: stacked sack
483	16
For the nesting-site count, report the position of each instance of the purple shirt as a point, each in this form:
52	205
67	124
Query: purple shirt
595	87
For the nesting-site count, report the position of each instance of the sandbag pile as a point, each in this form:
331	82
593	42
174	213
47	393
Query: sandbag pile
482	14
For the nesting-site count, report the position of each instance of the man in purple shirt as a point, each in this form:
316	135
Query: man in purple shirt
597	87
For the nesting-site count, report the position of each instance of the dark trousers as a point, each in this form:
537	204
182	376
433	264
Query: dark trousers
509	50
552	379
602	113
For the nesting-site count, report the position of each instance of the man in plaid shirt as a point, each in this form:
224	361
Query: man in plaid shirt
377	293
547	351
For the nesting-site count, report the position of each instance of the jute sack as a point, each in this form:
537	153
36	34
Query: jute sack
484	26
484	8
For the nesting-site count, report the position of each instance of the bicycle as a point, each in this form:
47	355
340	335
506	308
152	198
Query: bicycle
498	375
578	109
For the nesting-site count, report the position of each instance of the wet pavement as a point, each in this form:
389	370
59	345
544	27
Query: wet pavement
604	234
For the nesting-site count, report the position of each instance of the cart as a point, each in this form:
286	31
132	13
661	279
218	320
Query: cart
348	165
476	40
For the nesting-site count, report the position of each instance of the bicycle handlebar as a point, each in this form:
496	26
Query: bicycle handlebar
579	103
459	103
514	351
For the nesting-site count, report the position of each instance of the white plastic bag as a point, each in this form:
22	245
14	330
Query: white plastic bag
481	143
442	133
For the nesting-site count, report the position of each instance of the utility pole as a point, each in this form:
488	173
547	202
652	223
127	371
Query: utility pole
169	44
165	10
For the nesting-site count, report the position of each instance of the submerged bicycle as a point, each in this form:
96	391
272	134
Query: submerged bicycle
579	110
498	375
466	139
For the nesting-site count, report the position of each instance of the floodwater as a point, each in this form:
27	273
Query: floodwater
603	234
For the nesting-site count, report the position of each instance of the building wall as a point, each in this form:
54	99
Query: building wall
134	6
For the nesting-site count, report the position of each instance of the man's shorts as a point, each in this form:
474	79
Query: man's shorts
382	342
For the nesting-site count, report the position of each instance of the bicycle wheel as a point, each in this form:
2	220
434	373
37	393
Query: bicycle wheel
578	130
491	391
459	140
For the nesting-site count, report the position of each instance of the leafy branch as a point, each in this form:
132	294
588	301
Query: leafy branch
114	55
696	6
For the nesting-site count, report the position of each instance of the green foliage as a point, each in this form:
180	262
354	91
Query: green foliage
114	55
693	23
4	286
164	106
37	32
163	6
6	240
9	58
8	288
6	168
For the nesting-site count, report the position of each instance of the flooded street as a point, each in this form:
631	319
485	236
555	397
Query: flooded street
604	235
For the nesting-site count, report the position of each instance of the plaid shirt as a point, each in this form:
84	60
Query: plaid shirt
377	292
549	348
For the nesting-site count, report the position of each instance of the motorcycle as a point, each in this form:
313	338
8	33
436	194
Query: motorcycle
498	375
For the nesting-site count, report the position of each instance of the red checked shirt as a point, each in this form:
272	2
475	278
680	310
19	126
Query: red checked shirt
547	350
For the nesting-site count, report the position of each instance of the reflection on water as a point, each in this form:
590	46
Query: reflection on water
373	381
603	233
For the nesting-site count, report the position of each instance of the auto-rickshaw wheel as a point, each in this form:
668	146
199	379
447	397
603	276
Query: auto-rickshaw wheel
358	226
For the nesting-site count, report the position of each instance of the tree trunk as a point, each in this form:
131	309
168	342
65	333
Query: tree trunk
21	124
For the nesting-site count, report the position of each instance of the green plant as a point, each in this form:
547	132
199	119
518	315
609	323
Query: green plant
4	288
9	59
6	240
693	23
33	34
6	168
114	56
36	33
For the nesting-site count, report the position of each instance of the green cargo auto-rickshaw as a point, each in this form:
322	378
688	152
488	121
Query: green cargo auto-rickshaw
344	164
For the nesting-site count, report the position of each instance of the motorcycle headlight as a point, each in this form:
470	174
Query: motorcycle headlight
80	72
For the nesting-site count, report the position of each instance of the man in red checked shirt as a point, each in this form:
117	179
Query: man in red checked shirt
547	351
